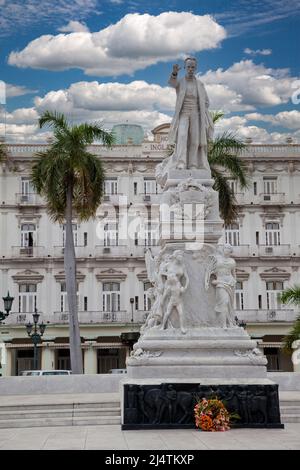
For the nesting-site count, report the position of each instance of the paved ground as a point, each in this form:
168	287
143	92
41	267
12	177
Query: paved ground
112	438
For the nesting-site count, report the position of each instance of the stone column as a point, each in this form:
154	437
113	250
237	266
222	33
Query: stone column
296	356
48	356
7	361
90	358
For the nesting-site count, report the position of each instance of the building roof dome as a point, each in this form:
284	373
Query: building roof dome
128	134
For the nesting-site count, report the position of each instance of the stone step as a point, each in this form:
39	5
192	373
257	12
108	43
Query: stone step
27	414
285	418
289	403
45	422
60	406
290	409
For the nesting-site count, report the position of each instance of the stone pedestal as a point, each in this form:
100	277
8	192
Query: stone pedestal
190	343
208	352
170	404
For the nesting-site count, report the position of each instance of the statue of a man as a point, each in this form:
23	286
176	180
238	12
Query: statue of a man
192	125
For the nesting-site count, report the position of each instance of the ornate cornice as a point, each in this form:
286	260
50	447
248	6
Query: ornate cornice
111	274
275	274
61	276
28	276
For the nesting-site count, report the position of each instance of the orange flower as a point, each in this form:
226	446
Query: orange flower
206	423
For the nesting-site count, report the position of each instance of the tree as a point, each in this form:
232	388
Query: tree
291	295
224	160
70	179
3	151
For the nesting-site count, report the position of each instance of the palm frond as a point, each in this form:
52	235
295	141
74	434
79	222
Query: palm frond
3	152
291	295
292	336
227	202
216	116
54	119
91	132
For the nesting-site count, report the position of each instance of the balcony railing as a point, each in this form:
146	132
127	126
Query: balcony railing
112	250
30	199
27	251
150	198
274	250
240	251
80	251
120	317
266	316
274	198
262	198
271	150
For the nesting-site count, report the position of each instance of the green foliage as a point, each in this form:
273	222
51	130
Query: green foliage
3	152
291	295
224	160
67	163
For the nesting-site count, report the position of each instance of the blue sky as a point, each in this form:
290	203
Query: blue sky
109	60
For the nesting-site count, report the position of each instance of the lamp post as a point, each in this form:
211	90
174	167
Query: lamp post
131	302
240	322
35	331
8	301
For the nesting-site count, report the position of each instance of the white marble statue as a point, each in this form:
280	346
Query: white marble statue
176	284
156	270
192	125
222	268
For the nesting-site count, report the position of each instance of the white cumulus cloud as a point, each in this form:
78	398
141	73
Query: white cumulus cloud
287	119
254	85
257	51
74	27
133	43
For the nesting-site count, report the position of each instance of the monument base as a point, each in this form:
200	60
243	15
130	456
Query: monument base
169	403
226	353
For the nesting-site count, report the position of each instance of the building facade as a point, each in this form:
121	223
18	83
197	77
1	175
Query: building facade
111	274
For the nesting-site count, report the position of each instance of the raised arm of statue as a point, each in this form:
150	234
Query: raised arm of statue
173	81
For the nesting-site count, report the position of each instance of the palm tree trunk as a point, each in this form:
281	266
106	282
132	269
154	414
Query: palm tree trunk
71	286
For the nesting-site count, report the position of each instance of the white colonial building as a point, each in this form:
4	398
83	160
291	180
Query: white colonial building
111	274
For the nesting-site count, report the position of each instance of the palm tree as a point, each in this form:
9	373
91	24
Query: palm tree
291	295
3	151
70	178
224	160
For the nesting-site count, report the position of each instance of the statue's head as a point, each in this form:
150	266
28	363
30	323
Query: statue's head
190	65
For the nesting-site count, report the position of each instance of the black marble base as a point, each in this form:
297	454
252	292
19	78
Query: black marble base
171	405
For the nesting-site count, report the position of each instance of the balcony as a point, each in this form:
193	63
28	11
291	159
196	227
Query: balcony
266	316
27	252
274	198
149	198
80	251
273	250
30	199
241	251
114	199
113	251
261	199
120	317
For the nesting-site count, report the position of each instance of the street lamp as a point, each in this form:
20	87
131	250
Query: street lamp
8	301
132	302
35	331
240	323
